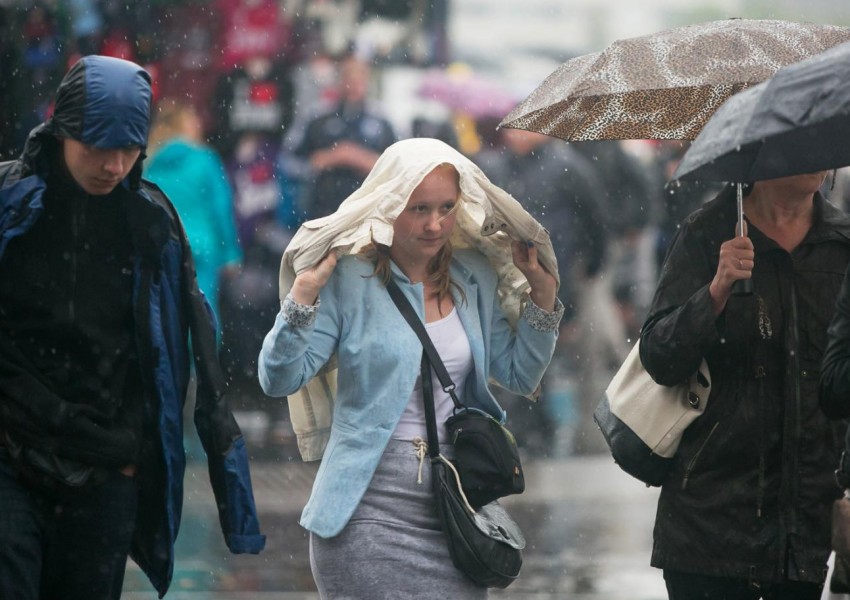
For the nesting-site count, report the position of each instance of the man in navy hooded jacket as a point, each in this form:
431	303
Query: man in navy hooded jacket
98	303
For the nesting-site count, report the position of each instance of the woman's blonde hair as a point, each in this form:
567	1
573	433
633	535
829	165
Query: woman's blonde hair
438	268
169	122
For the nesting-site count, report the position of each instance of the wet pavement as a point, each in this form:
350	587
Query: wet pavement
588	526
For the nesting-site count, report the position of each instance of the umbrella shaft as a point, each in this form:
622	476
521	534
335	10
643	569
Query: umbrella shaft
740	211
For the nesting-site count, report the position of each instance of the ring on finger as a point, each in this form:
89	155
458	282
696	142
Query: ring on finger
740	264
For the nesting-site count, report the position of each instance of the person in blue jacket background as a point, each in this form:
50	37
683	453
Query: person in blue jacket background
98	299
193	176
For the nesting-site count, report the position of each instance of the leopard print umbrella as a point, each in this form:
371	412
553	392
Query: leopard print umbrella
668	84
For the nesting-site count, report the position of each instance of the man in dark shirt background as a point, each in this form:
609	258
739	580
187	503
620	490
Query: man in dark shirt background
341	146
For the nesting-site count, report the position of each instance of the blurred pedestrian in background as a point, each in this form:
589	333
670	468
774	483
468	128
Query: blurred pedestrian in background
679	198
633	197
98	299
340	147
193	176
564	191
254	105
745	512
374	531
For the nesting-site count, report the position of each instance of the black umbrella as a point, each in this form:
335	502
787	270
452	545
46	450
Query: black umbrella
796	122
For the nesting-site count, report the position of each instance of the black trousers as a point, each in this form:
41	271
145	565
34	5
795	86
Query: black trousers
690	586
70	548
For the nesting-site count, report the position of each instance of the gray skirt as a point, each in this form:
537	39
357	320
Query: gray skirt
393	547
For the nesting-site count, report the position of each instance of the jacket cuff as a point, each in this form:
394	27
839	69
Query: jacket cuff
246	544
543	320
299	315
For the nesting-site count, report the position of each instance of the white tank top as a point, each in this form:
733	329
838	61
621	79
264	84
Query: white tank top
452	345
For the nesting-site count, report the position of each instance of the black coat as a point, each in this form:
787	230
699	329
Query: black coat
753	479
835	373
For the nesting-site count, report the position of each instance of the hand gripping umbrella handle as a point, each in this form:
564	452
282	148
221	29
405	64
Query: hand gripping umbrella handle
741	287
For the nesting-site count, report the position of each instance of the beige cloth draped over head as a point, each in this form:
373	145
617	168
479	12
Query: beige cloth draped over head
488	218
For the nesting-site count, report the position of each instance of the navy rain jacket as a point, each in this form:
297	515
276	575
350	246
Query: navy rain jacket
105	102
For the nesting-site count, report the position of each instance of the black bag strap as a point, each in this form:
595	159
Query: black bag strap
427	345
428	389
430	413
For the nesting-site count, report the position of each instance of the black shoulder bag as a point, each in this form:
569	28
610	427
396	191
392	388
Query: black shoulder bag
486	454
485	543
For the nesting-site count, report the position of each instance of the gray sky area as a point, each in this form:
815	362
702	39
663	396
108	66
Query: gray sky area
523	41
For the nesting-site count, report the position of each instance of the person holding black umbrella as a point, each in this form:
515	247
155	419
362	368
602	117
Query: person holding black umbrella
745	512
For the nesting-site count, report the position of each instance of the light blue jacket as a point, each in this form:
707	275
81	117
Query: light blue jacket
379	359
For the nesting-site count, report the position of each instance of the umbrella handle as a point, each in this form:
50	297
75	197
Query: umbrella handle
742	287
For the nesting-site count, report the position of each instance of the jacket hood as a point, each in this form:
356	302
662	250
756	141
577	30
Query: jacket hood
103	102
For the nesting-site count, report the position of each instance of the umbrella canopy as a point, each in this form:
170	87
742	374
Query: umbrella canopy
796	122
668	84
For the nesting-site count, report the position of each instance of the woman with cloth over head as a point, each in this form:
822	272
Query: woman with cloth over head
745	512
374	531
